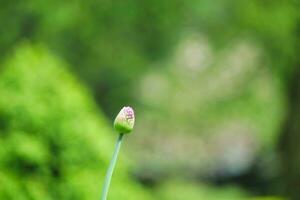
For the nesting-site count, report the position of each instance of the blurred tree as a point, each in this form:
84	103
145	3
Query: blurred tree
274	27
54	142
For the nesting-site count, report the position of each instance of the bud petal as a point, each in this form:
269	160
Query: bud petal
124	121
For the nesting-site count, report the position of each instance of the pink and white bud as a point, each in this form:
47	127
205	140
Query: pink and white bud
124	121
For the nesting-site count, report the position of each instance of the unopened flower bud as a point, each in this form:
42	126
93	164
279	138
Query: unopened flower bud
124	121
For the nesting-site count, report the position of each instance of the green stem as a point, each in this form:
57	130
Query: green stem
111	168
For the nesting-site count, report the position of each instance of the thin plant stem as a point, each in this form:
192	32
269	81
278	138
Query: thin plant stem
111	167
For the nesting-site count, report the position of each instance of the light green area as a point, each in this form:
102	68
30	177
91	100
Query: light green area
55	143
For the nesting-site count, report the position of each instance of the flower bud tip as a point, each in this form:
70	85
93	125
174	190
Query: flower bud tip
124	121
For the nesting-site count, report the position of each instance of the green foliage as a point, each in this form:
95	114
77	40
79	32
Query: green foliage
190	191
91	35
54	142
273	23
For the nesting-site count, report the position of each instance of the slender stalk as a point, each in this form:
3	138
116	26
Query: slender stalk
111	168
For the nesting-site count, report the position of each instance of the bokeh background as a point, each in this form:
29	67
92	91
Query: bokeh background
215	86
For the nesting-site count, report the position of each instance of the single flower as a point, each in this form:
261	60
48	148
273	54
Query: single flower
124	121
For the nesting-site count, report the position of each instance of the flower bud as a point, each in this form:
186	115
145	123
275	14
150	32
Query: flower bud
124	121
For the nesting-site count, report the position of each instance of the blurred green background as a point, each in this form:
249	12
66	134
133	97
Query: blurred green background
215	86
